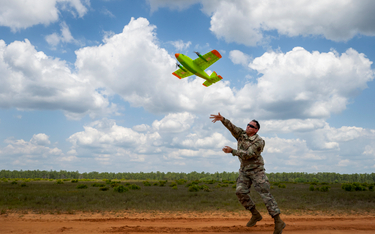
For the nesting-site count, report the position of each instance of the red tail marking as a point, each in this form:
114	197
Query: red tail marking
176	75
220	77
215	52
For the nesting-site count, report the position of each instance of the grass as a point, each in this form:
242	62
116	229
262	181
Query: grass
294	198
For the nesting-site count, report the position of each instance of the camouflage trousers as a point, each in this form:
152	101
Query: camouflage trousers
261	185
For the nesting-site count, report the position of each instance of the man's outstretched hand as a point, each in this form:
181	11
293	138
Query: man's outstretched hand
227	149
216	117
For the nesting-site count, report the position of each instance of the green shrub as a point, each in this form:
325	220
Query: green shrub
354	186
14	182
282	186
59	182
371	187
114	184
210	181
173	184
74	181
311	188
181	181
98	185
103	189
347	187
155	184
194	188
107	181
324	188
134	187
120	189
205	188
146	183
162	182
23	185
81	186
174	187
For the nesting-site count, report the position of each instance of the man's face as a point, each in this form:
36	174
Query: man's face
251	129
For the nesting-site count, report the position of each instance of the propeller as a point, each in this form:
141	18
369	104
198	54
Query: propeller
178	65
197	53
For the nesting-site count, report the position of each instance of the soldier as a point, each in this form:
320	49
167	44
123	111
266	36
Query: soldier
249	148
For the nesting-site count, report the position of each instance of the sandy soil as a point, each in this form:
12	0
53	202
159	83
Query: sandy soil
134	222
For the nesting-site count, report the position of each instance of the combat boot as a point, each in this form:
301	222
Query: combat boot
279	225
254	218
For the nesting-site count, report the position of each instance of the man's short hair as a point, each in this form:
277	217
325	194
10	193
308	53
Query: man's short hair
258	126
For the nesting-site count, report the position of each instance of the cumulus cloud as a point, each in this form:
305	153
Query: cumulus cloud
21	14
107	136
297	84
132	65
29	153
325	149
248	22
29	79
302	84
180	44
66	37
174	122
40	139
238	57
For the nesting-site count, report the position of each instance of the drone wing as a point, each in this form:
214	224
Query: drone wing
210	57
182	73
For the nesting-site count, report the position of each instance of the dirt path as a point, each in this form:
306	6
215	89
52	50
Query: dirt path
180	223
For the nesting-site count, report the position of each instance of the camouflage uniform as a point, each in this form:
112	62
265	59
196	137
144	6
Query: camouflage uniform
252	169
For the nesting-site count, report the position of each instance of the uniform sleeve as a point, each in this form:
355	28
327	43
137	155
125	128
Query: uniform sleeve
236	131
253	151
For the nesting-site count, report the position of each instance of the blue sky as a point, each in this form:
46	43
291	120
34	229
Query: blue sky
88	85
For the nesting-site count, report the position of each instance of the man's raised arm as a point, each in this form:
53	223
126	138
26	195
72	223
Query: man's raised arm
236	131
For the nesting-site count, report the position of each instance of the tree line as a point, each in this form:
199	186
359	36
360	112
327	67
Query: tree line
329	177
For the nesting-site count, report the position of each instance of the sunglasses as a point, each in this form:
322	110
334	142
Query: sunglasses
251	126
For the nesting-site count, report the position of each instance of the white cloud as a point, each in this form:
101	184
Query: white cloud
53	39
21	14
29	153
106	135
247	22
297	84
174	122
197	141
300	84
237	57
66	37
291	125
180	45
40	139
31	80
132	65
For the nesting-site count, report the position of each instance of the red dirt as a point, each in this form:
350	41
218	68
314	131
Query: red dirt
135	222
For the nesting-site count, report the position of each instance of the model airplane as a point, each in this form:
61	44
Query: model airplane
196	67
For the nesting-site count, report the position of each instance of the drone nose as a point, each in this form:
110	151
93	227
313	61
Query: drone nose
177	54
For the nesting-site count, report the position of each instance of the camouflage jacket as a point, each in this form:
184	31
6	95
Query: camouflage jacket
248	148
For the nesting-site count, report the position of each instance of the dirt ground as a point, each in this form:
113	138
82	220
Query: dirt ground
135	222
